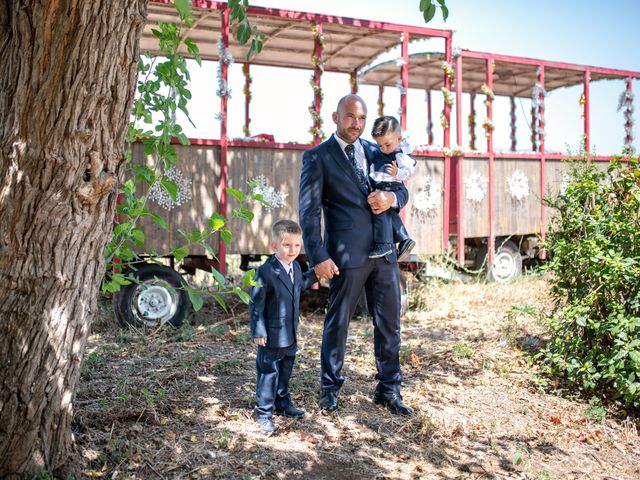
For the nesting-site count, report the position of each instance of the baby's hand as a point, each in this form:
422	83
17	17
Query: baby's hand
260	341
392	169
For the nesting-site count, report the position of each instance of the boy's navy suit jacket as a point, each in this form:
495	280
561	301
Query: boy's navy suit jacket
275	306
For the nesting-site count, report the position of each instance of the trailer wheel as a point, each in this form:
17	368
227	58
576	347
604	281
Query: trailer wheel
507	262
157	297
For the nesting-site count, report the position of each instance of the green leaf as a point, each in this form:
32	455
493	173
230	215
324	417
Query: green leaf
445	13
237	194
429	13
184	11
424	4
226	235
170	187
248	281
195	298
138	237
158	220
242	295
219	278
216	221
180	252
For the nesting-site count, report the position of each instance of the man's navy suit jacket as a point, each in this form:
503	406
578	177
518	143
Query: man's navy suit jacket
328	183
275	306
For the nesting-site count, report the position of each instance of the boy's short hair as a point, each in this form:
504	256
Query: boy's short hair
384	125
284	226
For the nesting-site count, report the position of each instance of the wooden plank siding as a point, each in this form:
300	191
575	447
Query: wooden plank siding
200	164
281	168
426	230
475	214
513	217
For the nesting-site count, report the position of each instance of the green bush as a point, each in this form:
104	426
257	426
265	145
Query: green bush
594	241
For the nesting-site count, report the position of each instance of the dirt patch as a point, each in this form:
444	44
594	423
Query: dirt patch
178	403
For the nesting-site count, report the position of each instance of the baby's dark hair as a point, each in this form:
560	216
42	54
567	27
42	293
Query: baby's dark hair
384	125
284	226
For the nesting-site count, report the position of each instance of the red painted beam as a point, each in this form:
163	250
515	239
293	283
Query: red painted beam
549	64
404	77
491	241
587	110
224	167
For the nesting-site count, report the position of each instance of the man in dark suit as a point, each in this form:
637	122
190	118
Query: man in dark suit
333	181
274	313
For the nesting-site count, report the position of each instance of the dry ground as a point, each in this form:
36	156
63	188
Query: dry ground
177	403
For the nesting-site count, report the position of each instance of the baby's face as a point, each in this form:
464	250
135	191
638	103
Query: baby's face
389	142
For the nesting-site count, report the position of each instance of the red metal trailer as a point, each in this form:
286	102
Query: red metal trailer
465	200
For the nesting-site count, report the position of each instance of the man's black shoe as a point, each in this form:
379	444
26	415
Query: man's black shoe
267	426
393	402
289	412
329	401
380	250
404	249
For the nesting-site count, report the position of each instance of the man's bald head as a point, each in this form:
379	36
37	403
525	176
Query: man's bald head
350	117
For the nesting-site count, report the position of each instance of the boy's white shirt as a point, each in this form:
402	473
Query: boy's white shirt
405	163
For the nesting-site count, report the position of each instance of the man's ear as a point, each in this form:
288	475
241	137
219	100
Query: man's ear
334	117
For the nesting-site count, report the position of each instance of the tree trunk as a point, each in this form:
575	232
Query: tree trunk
67	78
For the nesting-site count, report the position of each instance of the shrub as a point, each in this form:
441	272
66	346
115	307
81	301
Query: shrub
595	244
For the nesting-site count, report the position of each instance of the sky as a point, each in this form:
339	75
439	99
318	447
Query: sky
588	32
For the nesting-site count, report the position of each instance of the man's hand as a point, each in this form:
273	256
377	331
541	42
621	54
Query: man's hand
380	201
392	169
326	269
260	341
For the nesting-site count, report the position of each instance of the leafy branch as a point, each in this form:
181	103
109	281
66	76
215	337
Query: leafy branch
429	7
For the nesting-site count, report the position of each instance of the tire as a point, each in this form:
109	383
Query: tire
507	262
156	298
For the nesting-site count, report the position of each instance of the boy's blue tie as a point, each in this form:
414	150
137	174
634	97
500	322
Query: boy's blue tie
362	179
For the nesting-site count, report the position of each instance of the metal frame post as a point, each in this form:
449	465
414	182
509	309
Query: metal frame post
224	166
446	191
543	209
587	123
404	77
491	241
317	78
459	164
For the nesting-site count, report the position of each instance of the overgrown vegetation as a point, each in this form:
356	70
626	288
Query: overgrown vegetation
595	266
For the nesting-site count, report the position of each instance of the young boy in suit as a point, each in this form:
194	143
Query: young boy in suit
387	173
274	313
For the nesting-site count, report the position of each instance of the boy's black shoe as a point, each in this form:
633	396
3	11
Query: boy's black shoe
380	250
393	402
404	249
267	426
289	412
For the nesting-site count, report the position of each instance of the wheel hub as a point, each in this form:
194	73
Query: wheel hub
155	302
504	266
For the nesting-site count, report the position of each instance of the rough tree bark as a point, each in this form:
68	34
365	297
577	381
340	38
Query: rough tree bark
67	77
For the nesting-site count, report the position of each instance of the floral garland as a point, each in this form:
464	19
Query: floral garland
626	103
471	120
475	187
488	92
518	186
582	102
538	94
448	102
449	72
455	151
380	106
247	94
271	197
353	83
488	126
427	200
224	57
318	66
159	195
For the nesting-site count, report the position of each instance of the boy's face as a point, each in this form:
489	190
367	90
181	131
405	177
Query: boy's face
389	142
287	247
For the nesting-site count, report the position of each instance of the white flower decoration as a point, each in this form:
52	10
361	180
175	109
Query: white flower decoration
269	194
475	187
162	197
427	200
518	186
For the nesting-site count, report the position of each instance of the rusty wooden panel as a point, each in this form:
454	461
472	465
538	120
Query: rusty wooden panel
281	170
423	214
200	165
517	211
475	188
